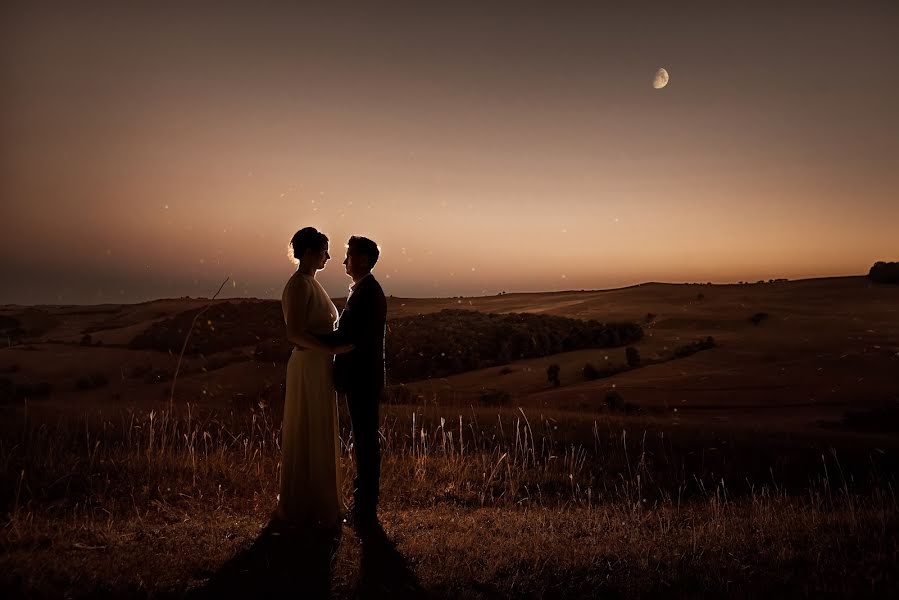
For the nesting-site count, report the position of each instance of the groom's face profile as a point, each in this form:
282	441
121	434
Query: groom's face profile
356	264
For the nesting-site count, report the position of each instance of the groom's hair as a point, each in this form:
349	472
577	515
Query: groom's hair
307	238
366	247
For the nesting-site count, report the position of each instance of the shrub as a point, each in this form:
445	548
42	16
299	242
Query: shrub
633	356
757	318
694	347
614	401
591	372
493	397
86	340
9	323
506	371
11	329
552	375
884	272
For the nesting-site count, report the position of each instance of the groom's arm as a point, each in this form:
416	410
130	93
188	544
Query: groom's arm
339	336
332	339
349	325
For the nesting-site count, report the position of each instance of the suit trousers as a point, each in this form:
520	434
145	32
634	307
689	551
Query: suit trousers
363	407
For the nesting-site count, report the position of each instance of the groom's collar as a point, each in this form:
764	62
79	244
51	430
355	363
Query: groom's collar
361	279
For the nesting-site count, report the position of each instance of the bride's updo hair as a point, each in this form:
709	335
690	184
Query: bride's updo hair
307	238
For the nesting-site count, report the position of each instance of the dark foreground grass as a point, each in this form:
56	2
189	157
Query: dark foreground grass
157	505
746	548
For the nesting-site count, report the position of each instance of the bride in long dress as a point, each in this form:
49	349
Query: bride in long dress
310	479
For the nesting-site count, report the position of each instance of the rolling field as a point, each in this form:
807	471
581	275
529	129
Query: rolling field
763	464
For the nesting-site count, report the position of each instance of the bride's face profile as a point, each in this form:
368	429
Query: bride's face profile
323	257
314	259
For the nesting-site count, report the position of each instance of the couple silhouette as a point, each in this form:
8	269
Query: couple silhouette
326	359
330	355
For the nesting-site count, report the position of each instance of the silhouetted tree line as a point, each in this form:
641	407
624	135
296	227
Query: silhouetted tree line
418	347
454	341
224	326
884	272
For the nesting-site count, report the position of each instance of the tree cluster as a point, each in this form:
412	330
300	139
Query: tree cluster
454	341
224	326
884	272
418	347
757	318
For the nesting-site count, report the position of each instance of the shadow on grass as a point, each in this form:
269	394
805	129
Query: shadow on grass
279	564
384	571
283	563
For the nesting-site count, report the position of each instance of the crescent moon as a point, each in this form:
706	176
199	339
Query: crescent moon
661	79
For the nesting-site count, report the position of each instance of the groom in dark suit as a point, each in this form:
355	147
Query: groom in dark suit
359	374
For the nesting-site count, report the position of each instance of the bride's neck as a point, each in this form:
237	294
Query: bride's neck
306	270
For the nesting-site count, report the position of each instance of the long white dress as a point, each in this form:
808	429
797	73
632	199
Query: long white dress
310	478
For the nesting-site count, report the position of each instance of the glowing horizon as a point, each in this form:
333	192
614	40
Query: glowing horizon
149	156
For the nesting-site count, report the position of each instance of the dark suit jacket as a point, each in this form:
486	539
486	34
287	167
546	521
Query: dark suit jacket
363	324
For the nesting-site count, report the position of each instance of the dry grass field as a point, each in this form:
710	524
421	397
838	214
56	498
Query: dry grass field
764	464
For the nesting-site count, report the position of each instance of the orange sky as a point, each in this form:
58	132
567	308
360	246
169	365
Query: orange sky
151	152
